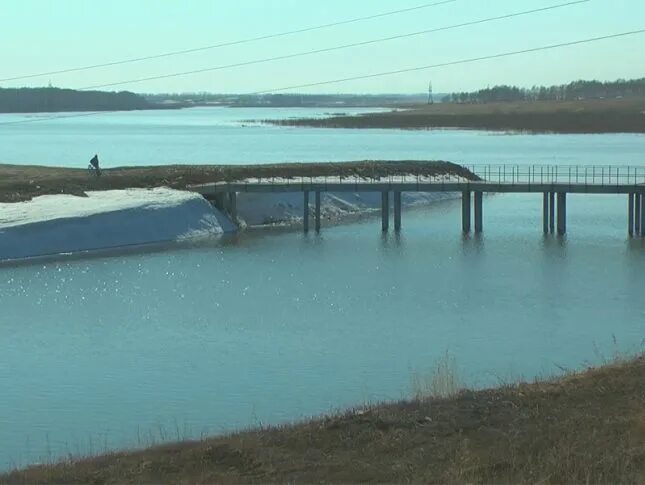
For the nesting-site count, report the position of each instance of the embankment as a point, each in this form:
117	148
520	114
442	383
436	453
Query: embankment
55	224
584	428
116	210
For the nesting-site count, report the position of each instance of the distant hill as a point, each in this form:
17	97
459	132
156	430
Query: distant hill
48	100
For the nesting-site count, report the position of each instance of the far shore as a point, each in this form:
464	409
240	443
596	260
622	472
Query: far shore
565	117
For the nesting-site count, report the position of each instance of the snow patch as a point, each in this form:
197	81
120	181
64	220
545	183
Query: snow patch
56	224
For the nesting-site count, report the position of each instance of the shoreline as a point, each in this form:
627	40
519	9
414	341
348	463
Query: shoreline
577	427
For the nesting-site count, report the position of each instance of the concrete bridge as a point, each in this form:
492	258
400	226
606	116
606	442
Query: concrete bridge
554	182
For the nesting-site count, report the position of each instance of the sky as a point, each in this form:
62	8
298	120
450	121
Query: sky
46	35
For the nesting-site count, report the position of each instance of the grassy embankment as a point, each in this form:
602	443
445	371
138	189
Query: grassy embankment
20	183
582	428
594	116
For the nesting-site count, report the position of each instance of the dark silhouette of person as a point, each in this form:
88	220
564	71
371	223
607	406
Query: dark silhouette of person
94	162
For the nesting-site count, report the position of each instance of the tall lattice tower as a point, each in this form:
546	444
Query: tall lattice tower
430	96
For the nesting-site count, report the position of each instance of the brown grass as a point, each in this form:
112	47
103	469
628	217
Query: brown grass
593	116
19	183
583	428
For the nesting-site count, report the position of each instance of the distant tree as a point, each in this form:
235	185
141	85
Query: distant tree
572	91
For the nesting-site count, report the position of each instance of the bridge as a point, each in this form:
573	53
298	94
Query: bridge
555	182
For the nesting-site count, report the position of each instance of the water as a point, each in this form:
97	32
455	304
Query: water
130	350
223	135
127	351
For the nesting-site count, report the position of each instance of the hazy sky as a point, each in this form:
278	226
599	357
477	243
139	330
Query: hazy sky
46	35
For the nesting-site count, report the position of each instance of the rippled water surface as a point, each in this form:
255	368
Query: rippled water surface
128	350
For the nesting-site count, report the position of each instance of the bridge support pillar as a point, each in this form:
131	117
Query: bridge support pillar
562	213
232	205
551	212
317	217
305	212
545	212
385	211
465	211
397	211
642	214
479	212
630	215
637	214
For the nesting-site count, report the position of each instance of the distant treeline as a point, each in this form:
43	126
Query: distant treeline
566	92
289	100
38	100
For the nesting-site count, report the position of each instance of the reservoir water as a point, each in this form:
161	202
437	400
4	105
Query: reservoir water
132	349
225	135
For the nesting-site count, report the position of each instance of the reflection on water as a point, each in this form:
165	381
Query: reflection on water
123	350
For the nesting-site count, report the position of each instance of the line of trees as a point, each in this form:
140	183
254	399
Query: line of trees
48	100
566	92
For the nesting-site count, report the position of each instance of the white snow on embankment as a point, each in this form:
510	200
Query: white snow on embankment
55	224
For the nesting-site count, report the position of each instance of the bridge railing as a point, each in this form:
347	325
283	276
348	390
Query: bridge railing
602	175
597	175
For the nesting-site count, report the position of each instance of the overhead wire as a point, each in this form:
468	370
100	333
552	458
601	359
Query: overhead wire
394	72
231	43
336	48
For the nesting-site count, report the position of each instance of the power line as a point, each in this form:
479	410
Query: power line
399	71
232	43
339	47
454	63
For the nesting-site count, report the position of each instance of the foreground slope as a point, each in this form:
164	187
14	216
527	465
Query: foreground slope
588	427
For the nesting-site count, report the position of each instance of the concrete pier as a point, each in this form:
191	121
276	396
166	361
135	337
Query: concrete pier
397	211
637	214
317	216
545	212
552	212
479	212
465	211
232	205
385	211
642	215
562	213
305	212
630	215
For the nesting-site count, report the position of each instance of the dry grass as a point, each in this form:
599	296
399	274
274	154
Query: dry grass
19	183
594	116
582	428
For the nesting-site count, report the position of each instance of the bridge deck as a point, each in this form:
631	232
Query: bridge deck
497	187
